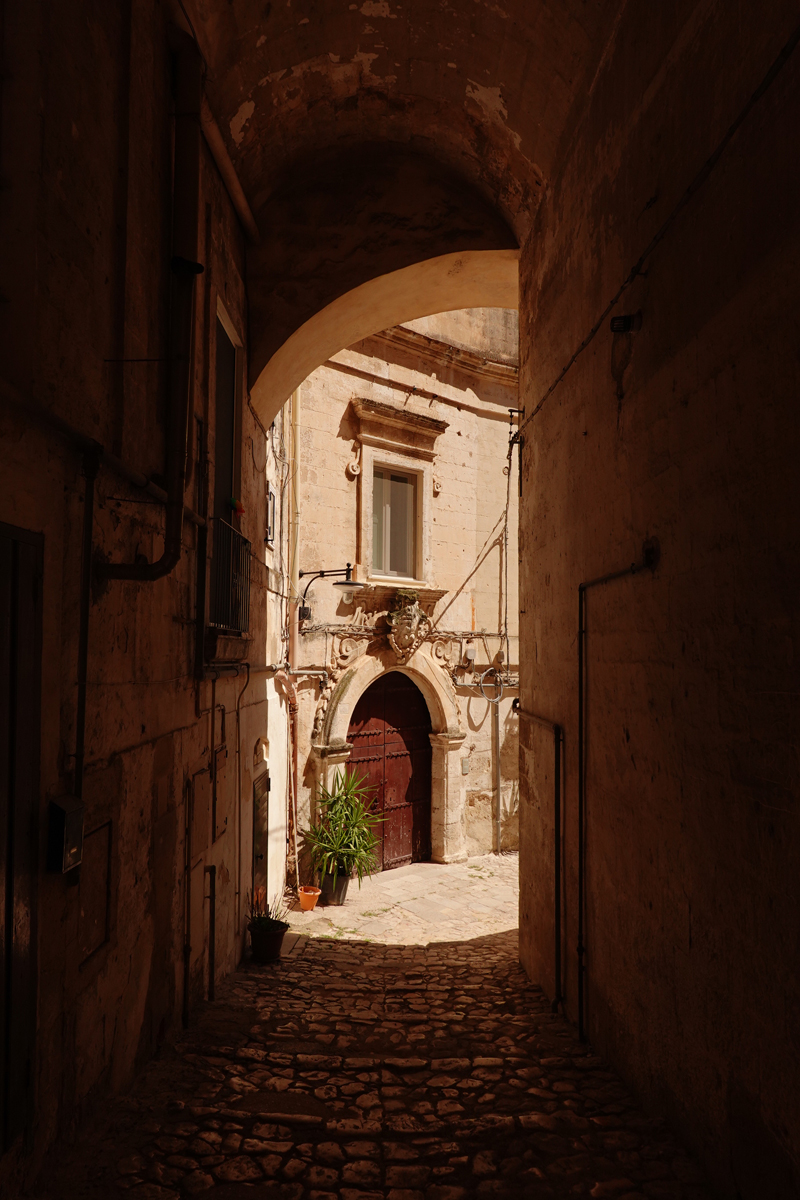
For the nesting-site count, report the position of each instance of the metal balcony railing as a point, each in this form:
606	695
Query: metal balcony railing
230	579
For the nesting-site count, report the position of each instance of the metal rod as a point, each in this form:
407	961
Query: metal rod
497	781
558	739
187	939
580	948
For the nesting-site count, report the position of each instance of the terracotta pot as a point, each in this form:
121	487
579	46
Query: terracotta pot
334	893
308	897
265	941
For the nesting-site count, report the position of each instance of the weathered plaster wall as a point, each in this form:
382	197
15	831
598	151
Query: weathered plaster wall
687	431
88	197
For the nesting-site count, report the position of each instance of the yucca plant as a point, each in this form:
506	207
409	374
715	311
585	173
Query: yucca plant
263	915
343	840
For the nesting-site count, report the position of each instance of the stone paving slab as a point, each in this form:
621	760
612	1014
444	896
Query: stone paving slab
354	1070
423	903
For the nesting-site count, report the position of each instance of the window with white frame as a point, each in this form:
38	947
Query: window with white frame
394	519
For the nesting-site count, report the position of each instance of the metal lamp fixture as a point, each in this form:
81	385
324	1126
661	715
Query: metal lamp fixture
347	586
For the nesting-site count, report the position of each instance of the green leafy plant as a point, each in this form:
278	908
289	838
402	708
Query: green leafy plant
263	915
343	840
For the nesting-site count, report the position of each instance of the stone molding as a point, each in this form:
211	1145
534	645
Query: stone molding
386	426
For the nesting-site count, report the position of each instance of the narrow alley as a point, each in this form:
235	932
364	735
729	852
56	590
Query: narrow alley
365	1069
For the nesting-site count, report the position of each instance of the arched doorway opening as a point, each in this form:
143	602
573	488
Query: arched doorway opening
390	734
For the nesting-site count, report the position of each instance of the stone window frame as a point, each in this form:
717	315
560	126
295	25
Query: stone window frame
397	439
372	460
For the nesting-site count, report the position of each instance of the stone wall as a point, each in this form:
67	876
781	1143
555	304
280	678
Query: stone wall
685	430
88	198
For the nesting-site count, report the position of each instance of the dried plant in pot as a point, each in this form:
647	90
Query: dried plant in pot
343	841
266	925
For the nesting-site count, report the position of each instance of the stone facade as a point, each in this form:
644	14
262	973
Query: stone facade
410	400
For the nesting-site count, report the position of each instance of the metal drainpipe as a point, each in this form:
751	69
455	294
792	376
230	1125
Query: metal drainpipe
651	552
185	268
497	783
187	890
238	896
294	627
211	872
91	465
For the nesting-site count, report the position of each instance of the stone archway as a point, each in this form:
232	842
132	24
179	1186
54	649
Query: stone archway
468	279
331	749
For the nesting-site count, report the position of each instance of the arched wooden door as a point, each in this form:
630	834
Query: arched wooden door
389	732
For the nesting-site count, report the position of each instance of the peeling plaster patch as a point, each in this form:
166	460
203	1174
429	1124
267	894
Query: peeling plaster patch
365	61
334	57
489	99
261	40
303	22
368	29
452	66
377	8
240	120
492	104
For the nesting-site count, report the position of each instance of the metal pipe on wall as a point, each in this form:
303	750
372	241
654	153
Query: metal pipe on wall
498	825
187	898
651	552
238	895
185	269
91	464
294	620
211	872
28	408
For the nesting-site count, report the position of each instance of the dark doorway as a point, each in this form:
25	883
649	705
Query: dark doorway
20	697
389	732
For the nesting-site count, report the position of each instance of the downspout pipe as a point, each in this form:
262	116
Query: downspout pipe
558	751
31	411
91	465
498	790
185	269
651	553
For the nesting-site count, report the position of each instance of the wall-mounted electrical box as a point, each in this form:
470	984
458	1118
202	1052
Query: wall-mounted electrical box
65	834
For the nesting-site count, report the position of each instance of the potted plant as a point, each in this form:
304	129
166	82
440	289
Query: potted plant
342	842
308	896
266	925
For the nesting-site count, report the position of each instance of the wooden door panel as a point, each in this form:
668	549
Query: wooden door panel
397	777
390	736
397	837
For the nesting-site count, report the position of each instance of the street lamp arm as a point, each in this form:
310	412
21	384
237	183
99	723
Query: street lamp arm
346	571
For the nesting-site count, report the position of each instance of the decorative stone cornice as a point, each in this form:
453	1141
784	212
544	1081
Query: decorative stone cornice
390	427
443	354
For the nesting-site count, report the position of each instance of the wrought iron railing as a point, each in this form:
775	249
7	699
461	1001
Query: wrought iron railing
230	579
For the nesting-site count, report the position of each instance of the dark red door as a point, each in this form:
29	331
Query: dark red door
389	732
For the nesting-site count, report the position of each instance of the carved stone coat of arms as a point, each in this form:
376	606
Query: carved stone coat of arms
408	625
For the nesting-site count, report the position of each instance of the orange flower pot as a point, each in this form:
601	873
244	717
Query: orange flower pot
308	897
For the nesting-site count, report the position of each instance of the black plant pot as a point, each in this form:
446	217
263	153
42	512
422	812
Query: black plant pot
266	940
334	893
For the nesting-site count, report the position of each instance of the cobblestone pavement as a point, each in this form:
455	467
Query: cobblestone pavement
422	903
362	1071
